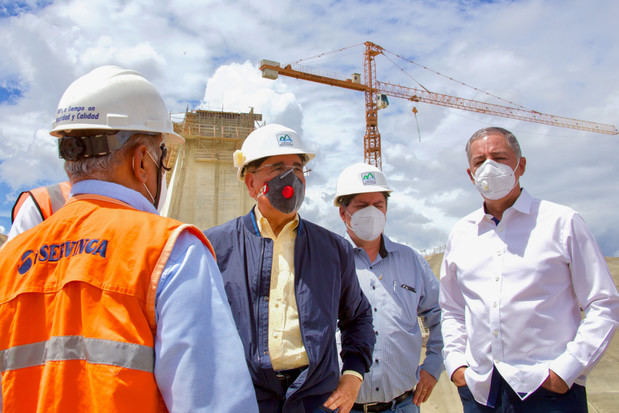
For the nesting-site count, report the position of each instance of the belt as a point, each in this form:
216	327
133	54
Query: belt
287	377
380	406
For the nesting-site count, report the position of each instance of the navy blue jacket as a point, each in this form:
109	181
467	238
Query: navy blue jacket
328	296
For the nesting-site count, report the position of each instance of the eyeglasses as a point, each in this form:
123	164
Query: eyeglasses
280	167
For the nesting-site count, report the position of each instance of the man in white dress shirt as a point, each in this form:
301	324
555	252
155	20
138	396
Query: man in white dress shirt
515	276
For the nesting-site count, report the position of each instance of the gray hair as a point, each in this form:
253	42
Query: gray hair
100	166
482	133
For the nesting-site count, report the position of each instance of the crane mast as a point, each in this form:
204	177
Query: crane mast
373	88
371	139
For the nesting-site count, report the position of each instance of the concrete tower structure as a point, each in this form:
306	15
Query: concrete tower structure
203	189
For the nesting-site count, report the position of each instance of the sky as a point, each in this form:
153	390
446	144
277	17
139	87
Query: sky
556	57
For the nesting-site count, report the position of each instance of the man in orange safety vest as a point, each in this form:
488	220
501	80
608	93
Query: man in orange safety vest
106	306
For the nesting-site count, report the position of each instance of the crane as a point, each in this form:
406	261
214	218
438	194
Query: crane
375	90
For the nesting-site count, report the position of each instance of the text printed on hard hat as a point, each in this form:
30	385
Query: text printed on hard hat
70	113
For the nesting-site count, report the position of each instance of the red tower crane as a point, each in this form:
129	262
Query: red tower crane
374	89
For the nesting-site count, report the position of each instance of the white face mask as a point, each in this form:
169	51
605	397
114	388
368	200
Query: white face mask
495	180
163	192
162	195
367	223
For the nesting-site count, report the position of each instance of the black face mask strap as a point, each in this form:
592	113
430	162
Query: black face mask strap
160	166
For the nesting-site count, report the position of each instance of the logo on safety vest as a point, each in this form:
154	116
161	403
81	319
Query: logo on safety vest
56	252
285	140
368	178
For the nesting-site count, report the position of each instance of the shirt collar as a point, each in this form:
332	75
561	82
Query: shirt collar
386	245
113	190
522	204
265	227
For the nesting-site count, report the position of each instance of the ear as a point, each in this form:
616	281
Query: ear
343	213
138	163
522	166
250	181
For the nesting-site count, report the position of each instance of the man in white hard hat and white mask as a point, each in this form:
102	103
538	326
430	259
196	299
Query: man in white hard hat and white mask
400	287
106	306
290	283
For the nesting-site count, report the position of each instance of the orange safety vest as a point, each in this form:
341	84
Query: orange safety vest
77	309
47	199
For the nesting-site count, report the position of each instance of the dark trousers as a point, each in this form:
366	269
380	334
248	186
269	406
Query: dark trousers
274	400
541	401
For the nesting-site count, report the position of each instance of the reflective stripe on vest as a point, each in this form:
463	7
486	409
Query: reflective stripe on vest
92	350
57	197
47	199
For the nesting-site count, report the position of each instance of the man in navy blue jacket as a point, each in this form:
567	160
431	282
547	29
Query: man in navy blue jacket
291	284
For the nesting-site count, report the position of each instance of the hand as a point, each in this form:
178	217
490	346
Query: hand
345	394
458	377
554	383
424	387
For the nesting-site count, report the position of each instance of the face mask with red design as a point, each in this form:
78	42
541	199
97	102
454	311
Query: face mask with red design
285	192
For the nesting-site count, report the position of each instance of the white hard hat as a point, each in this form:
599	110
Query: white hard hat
269	140
360	178
115	99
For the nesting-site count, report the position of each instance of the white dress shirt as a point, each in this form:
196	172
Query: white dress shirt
512	294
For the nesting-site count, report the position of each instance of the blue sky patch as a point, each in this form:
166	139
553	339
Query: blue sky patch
10	91
15	8
191	103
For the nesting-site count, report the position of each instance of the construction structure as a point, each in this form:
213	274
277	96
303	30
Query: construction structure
376	93
203	188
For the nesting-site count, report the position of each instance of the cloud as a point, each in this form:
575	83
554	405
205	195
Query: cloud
240	87
558	60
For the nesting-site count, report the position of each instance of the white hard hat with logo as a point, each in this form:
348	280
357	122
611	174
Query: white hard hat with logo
360	178
269	140
110	98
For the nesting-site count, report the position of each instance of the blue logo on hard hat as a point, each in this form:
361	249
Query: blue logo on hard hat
285	140
368	178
